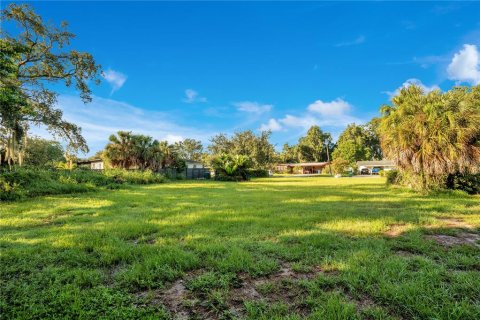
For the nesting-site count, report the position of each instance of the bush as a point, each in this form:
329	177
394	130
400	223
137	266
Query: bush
469	183
258	173
392	176
30	182
231	167
340	166
9	190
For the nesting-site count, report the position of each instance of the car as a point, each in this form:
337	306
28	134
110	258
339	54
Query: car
376	170
364	171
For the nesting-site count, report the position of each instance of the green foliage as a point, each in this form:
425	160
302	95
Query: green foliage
340	166
313	147
357	143
316	146
431	135
135	151
392	176
41	152
35	57
274	248
189	149
256	147
25	182
467	182
258	173
231	167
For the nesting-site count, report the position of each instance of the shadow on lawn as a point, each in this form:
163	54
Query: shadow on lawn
148	238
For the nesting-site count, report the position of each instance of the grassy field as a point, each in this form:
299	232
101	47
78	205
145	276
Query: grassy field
279	248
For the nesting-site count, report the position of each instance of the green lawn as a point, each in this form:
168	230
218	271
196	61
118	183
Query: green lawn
279	248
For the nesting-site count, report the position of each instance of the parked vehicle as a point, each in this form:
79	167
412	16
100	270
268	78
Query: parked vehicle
364	171
376	170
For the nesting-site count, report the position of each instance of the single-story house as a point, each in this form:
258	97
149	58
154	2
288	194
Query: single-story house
375	165
94	164
192	164
305	167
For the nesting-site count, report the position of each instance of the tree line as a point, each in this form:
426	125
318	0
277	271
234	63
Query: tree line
431	136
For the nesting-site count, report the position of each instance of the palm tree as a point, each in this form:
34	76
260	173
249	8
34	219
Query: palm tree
434	134
120	150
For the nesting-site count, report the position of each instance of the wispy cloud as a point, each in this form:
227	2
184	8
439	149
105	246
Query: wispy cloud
192	96
465	65
115	79
359	40
334	114
252	107
409	83
103	117
272	125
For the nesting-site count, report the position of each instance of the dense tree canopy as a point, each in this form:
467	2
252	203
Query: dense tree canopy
358	143
430	135
315	146
41	152
256	147
34	57
189	149
127	150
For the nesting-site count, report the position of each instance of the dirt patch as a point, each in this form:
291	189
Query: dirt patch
454	223
395	230
362	301
406	254
175	296
280	286
465	238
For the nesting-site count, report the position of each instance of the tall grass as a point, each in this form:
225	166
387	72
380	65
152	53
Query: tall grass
25	182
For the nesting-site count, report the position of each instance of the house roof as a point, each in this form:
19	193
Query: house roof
89	161
375	163
303	164
192	161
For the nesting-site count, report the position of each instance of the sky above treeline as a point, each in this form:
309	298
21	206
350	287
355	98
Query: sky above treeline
177	70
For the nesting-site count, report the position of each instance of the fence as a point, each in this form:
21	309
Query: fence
187	173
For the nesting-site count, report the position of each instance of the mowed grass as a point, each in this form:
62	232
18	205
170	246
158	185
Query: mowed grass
278	248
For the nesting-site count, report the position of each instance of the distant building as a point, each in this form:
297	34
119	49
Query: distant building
302	167
192	164
94	164
372	167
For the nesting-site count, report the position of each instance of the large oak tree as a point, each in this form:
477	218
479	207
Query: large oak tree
33	58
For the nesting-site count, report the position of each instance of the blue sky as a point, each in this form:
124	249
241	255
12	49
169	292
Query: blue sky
191	70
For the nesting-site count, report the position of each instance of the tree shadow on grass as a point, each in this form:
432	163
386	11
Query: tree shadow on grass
153	235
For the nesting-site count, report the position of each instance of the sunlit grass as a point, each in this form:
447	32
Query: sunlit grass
94	255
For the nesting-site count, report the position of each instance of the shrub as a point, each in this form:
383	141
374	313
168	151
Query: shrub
231	168
30	181
258	173
392	176
340	166
469	183
8	190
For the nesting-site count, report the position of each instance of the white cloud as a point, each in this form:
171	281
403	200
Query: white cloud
465	65
252	107
115	79
192	96
336	107
359	40
410	82
103	117
330	115
304	122
272	125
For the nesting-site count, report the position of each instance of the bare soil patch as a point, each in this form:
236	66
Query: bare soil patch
462	238
395	230
455	223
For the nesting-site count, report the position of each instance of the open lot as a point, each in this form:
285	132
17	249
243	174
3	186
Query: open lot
279	248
